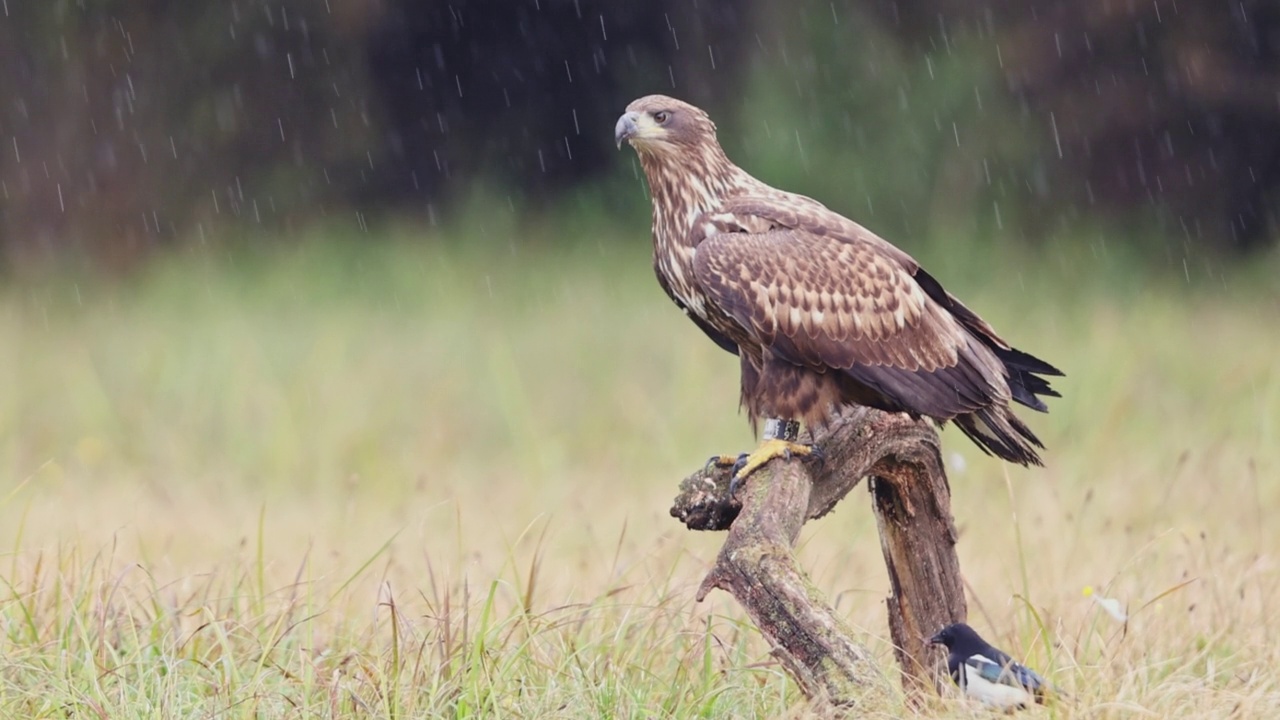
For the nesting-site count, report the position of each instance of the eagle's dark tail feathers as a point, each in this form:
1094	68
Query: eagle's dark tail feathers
996	429
1024	369
1024	377
999	432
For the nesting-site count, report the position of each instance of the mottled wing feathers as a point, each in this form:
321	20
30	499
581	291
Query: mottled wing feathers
827	296
820	298
797	212
756	213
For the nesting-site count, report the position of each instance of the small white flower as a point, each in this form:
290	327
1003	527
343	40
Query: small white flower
1113	607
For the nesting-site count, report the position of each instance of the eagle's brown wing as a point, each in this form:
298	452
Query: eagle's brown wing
836	300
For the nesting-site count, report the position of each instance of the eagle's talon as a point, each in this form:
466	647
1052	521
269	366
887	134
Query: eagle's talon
768	450
721	461
734	482
734	464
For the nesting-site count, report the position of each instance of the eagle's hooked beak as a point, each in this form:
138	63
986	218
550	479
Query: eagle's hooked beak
628	127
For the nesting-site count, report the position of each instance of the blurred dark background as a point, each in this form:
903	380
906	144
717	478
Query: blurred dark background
129	126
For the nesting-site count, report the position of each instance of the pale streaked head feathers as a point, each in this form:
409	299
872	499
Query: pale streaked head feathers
661	124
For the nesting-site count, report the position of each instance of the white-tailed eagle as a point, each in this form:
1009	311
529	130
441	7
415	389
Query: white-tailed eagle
822	312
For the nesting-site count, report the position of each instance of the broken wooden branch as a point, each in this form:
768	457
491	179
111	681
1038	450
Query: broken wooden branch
912	504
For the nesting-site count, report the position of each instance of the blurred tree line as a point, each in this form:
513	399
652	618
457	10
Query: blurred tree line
129	125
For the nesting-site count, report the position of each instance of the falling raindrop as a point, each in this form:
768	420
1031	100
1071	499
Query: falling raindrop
1057	141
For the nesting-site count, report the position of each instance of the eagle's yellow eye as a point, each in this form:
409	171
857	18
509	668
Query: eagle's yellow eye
661	117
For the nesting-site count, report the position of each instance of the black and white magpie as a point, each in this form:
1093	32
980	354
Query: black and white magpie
986	673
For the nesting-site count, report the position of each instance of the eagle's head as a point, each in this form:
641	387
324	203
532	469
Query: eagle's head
661	125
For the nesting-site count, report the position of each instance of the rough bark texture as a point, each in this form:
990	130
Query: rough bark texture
912	504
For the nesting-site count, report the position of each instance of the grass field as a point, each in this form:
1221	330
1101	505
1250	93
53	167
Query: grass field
391	480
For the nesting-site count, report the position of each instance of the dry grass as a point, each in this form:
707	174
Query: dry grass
398	482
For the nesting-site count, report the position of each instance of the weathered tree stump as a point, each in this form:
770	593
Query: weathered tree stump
912	504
